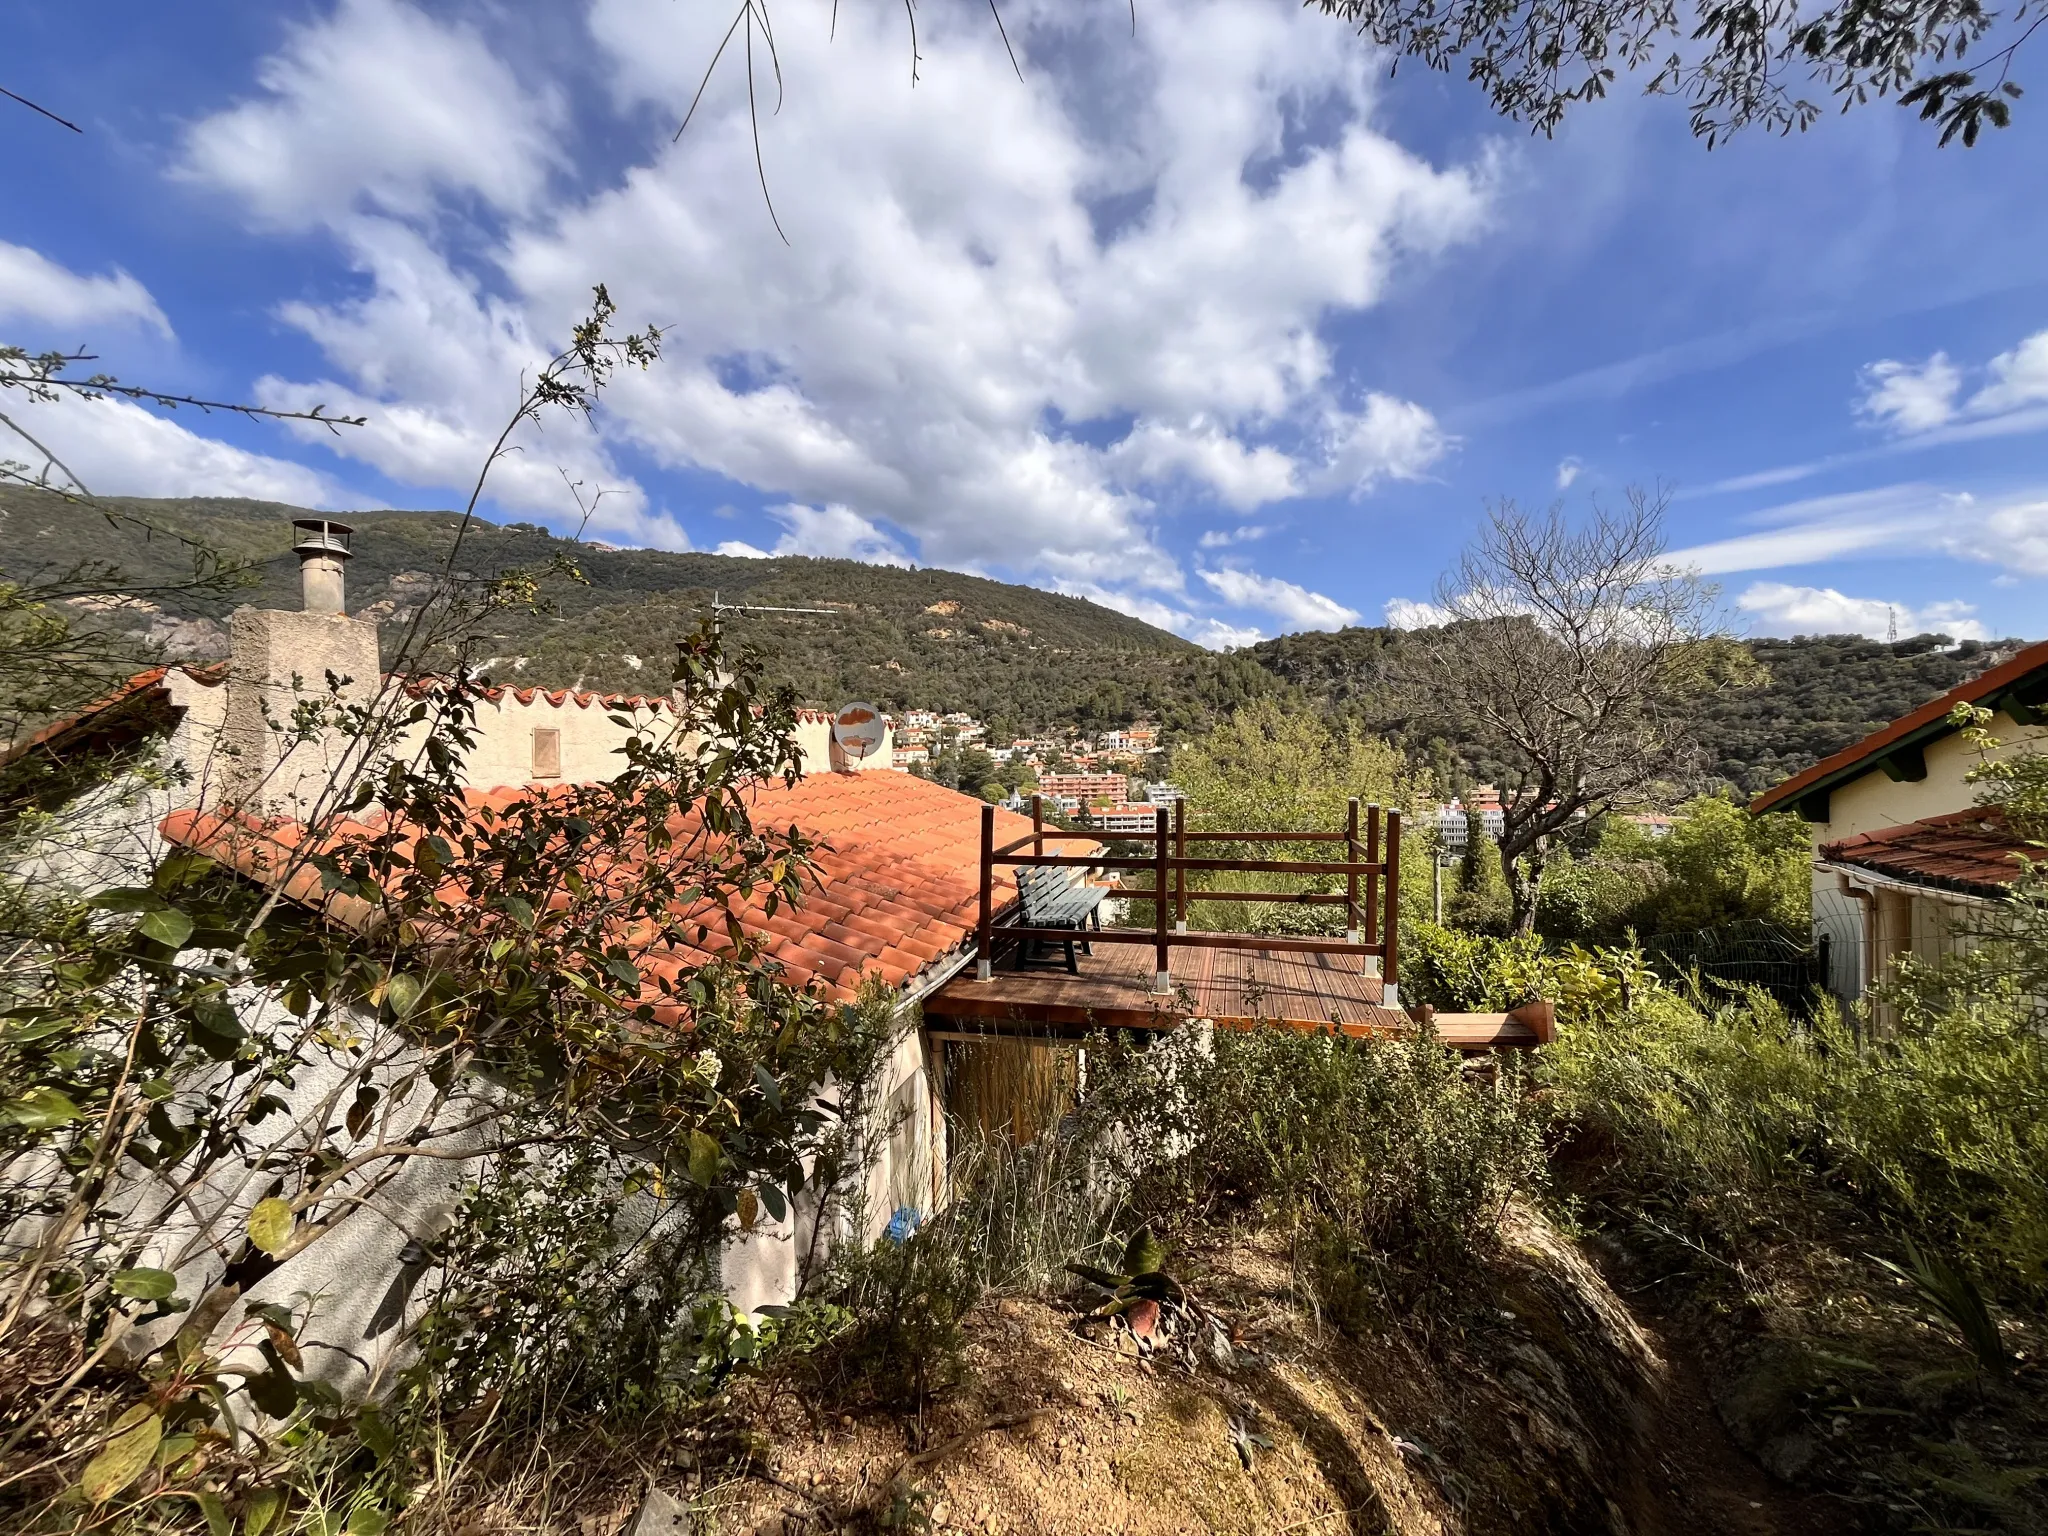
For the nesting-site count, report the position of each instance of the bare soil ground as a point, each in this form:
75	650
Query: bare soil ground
1546	1407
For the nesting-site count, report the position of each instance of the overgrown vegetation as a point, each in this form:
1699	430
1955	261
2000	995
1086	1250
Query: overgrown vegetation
206	1085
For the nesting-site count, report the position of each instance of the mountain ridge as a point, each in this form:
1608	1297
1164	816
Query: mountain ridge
1020	658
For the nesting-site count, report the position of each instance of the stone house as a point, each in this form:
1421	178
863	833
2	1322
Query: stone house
896	898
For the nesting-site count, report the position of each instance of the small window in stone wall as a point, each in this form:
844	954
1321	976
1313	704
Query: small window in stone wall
547	754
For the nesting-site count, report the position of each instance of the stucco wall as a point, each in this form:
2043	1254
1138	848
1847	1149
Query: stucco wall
362	1285
1872	800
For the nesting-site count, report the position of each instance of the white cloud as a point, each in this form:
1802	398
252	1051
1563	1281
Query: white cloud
119	449
383	107
1780	609
1240	477
1216	635
1922	399
742	550
1569	469
35	288
2014	535
1389	438
1828	527
955	344
835	533
1223	538
1407	613
1893	519
1283	599
1911	397
2019	378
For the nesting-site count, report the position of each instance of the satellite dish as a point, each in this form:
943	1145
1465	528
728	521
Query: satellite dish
858	730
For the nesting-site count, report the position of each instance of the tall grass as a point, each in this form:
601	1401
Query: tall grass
1738	1114
1385	1145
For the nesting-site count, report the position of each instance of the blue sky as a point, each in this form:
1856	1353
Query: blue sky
1218	325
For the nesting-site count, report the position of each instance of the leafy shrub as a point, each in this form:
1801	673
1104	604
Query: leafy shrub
1461	972
1384	1141
1738	1116
1717	865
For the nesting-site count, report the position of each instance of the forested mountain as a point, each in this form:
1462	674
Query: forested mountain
1823	692
1015	656
1018	657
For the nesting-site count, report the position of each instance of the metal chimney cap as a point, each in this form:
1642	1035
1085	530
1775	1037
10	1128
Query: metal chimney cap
321	536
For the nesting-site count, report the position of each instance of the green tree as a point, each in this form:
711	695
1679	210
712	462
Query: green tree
1734	63
1275	768
1478	901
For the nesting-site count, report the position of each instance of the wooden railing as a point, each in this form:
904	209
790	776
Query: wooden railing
1371	895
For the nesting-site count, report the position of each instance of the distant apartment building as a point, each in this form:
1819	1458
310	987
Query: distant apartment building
1123	818
1085	788
1452	822
1164	793
1139	739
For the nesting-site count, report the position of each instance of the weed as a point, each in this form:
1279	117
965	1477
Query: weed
1948	1291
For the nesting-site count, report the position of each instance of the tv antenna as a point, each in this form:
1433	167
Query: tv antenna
718	607
1891	615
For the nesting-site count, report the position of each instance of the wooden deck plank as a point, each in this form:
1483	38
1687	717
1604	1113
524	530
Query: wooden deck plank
1234	988
1243	988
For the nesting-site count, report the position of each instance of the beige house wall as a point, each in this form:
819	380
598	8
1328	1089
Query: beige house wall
1929	924
1872	800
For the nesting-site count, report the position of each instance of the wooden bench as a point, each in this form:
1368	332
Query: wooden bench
1054	898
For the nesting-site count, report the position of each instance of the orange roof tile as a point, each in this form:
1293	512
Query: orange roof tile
896	876
1972	851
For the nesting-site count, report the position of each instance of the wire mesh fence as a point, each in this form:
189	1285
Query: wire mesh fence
1786	962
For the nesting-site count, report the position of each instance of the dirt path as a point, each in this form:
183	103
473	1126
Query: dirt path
1700	1481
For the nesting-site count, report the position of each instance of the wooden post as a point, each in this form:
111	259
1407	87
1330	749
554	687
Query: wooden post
1180	876
1372	879
1162	885
984	932
1390	965
1351	923
1038	826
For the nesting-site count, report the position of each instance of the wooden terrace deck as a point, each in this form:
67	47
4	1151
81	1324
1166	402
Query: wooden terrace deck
1234	988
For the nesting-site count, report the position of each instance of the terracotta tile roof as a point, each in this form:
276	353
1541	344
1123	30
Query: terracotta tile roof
897	876
1972	851
138	698
1927	720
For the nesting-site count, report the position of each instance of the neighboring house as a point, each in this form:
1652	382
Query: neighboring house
896	897
1904	860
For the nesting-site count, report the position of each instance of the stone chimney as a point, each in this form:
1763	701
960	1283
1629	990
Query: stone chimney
289	676
322	549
